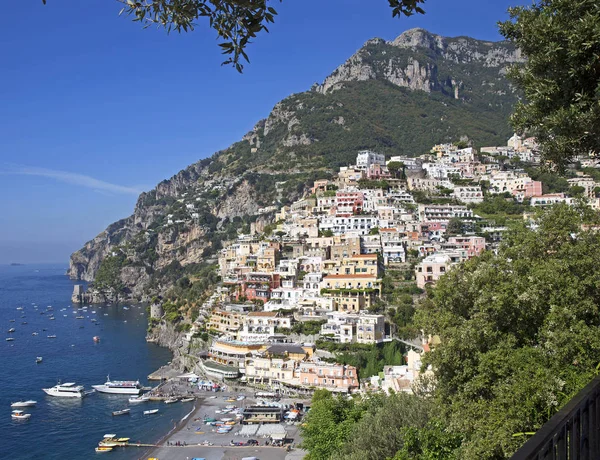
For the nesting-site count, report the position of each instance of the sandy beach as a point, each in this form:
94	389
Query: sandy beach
190	438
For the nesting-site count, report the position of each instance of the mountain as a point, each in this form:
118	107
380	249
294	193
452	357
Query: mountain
396	97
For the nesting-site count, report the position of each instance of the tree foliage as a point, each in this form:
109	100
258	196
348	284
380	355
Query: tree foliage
236	22
561	78
519	331
375	427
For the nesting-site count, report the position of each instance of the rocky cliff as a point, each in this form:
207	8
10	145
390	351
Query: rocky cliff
396	97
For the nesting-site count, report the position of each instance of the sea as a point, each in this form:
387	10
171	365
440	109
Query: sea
65	428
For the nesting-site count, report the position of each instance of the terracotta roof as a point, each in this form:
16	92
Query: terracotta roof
262	313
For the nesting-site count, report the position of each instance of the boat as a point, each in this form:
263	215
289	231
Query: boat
24	322
12	329
28	403
171	400
66	390
11	320
79	317
123	387
187	399
150	412
52	336
19	415
103	449
111	440
19	308
121	412
9	339
39	359
34	333
138	399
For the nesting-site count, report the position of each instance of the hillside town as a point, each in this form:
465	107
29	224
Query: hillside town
317	273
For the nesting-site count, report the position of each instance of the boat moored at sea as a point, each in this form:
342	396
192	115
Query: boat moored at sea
187	399
28	403
123	387
150	412
66	390
171	400
111	440
103	449
121	412
39	359
19	415
138	399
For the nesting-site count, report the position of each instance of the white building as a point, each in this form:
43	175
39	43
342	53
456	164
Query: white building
443	212
360	225
468	194
366	158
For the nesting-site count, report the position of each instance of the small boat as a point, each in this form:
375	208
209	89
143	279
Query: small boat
51	336
28	403
11	321
52	318
12	329
79	317
9	339
187	399
140	399
103	449
241	398
150	412
121	412
19	308
96	339
24	322
34	333
171	400
19	415
39	359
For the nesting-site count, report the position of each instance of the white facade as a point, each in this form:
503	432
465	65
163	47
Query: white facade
366	158
360	225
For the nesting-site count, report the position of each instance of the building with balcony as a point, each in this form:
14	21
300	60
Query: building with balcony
333	377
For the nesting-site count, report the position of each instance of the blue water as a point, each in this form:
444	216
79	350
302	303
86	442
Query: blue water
59	427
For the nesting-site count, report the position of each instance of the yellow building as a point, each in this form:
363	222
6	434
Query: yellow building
225	321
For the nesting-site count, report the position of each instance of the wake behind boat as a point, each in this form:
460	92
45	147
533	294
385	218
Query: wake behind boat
123	387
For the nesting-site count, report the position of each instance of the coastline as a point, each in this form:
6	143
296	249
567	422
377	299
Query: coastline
173	431
196	439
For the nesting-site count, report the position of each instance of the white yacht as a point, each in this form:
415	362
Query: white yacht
29	403
66	390
122	387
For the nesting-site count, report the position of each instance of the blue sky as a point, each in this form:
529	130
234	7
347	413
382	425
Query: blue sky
95	109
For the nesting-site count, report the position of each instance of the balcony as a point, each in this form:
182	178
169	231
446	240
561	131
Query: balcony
573	433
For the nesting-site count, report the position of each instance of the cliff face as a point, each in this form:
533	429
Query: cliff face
397	97
419	60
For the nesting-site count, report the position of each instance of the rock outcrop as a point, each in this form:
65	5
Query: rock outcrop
411	60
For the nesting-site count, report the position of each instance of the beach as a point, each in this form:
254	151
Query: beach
193	438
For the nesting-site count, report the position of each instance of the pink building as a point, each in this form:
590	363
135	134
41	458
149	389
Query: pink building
528	189
474	245
377	171
333	377
349	203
